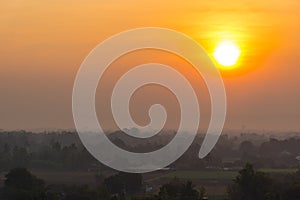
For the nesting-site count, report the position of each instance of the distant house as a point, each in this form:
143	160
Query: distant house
298	159
285	153
148	189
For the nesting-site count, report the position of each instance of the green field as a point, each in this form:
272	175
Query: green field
217	174
202	175
281	171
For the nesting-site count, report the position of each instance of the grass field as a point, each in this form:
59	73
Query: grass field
280	171
202	175
219	174
68	178
215	181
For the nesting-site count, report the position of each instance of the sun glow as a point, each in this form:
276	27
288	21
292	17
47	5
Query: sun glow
227	54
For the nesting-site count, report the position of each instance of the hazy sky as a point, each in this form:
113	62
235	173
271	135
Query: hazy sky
44	42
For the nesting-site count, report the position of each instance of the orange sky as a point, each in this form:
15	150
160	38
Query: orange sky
44	42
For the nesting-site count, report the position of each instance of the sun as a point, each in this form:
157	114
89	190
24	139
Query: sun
227	54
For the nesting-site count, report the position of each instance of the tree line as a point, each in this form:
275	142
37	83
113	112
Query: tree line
64	151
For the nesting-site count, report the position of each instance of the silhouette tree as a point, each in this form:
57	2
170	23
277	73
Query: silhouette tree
20	184
124	183
250	185
176	190
188	192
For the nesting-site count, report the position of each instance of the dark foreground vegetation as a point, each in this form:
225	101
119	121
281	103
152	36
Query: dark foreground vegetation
249	184
26	157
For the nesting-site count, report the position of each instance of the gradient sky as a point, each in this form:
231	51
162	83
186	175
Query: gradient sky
44	42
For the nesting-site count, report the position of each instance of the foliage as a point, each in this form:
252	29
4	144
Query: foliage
250	185
176	190
124	183
20	184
